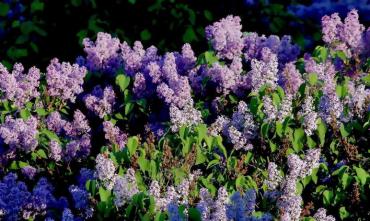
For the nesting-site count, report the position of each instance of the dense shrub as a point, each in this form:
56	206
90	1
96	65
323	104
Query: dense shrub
247	130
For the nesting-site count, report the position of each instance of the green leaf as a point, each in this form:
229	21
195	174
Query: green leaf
122	81
25	114
346	180
312	78
37	6
321	130
210	57
311	143
128	108
328	197
41	153
91	186
343	213
132	144
345	130
41	112
49	134
272	146
362	175
104	194
4	8
145	35
189	35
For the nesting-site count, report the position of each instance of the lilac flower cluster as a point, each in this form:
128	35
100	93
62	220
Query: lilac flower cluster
77	135
18	86
20	134
288	202
65	80
100	101
240	130
17	201
114	135
226	37
345	36
105	171
125	187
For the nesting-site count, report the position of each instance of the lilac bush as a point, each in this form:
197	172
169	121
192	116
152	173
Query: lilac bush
251	129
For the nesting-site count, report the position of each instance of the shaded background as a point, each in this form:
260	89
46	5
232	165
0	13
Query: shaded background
33	32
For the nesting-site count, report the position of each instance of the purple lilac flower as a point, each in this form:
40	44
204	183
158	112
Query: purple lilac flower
20	134
84	176
105	170
29	172
18	86
343	36
173	212
78	148
274	178
324	71
103	54
220	205
125	187
241	206
225	79
64	80
80	197
226	37
283	48
14	196
205	204
114	135
186	61
79	126
55	123
101	101
132	57
360	99
264	71
67	215
320	215
290	78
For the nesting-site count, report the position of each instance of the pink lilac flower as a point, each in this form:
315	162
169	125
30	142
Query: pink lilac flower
64	80
18	86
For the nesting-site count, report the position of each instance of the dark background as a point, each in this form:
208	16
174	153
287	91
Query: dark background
33	32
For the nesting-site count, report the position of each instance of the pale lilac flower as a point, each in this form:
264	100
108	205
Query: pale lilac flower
226	37
20	134
101	101
285	109
114	135
269	109
309	116
125	188
103	54
264	71
274	178
65	80
55	150
17	86
105	171
321	215
188	116
290	78
29	172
